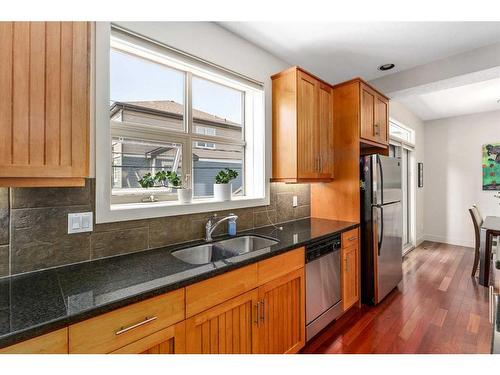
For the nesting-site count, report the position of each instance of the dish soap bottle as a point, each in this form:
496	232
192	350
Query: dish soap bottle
231	227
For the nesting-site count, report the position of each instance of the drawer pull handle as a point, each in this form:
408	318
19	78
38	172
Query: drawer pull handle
353	238
126	329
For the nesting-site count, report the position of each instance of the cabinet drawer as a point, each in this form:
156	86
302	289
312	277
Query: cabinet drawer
350	238
280	265
211	292
51	343
113	330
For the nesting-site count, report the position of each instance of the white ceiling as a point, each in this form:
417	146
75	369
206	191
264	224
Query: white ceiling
337	51
473	98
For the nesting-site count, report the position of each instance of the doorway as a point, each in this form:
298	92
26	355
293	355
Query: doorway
402	147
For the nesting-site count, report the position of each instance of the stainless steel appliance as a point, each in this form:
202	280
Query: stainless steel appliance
381	227
323	284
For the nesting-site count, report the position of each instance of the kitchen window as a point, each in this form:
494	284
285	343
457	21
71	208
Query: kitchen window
172	113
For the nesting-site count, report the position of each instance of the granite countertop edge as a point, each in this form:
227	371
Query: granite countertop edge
64	321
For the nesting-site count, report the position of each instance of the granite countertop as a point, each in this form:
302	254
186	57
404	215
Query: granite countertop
40	302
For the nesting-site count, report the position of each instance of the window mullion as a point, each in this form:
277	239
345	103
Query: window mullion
187	160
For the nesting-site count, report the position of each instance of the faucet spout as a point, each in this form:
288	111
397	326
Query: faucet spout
210	225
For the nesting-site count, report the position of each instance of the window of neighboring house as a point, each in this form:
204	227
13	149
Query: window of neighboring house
203	130
167	115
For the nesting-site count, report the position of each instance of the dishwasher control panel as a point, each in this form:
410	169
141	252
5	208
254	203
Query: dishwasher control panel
320	248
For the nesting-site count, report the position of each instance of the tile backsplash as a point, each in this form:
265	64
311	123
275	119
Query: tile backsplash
33	226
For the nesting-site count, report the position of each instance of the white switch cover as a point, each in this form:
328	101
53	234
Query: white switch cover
294	201
80	222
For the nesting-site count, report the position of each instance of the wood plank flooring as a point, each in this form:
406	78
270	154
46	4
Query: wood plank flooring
437	308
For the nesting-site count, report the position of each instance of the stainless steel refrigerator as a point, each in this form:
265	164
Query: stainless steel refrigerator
381	227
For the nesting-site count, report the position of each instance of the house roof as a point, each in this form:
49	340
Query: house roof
170	107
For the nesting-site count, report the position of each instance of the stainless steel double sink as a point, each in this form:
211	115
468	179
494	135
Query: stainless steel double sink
224	249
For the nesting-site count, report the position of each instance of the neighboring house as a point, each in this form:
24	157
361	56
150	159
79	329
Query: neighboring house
131	160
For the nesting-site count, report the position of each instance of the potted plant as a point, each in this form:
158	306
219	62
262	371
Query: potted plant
148	181
184	194
223	186
167	179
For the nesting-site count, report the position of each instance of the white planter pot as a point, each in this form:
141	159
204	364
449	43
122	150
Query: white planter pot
222	192
185	195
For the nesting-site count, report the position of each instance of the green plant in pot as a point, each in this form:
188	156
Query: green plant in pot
222	186
167	179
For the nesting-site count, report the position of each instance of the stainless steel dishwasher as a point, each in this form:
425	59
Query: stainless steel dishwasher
323	284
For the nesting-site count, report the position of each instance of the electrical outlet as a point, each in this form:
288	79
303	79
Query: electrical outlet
80	222
294	201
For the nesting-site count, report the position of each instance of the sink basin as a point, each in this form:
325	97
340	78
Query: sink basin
246	244
203	254
232	247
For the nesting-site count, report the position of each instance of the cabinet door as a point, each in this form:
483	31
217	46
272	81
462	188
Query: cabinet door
367	113
325	131
167	341
282	314
307	127
44	103
350	276
381	119
229	328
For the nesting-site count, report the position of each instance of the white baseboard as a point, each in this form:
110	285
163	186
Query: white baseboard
448	240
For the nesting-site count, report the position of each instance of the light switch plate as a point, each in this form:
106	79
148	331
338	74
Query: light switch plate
294	201
80	222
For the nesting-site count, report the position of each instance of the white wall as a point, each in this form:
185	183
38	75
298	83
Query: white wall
453	175
400	113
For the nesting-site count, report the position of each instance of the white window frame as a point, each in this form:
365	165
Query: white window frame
255	183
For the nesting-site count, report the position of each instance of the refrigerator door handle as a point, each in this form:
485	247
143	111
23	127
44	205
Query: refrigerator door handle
379	166
380	228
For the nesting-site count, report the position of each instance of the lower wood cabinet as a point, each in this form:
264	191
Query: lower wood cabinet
267	320
281	314
52	343
350	268
170	340
350	277
229	328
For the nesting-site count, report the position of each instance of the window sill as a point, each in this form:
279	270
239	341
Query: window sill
147	210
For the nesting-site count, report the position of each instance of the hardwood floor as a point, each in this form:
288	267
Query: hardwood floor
437	308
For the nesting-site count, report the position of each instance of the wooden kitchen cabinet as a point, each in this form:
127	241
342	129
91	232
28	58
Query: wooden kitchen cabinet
282	314
51	343
44	103
229	328
350	268
374	115
302	127
170	340
116	329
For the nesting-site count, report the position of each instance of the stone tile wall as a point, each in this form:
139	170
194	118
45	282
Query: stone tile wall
33	226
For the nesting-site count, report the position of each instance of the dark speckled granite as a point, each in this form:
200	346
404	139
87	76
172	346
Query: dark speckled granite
36	303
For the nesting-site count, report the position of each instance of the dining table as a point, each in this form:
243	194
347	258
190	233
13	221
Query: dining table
489	229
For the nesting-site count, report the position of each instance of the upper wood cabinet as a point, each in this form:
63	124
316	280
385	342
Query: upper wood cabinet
374	116
44	103
302	127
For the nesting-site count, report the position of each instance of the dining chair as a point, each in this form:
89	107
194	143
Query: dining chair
477	221
495	239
